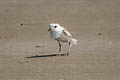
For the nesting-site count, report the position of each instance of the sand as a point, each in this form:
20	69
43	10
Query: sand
23	35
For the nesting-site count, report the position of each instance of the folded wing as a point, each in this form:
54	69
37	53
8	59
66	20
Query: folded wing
67	33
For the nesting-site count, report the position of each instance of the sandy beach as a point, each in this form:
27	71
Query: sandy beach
23	35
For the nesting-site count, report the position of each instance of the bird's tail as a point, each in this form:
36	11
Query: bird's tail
74	41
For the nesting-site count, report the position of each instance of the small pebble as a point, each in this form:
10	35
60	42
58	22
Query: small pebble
99	33
39	46
21	24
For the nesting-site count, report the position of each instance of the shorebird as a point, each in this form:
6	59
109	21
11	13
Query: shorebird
61	34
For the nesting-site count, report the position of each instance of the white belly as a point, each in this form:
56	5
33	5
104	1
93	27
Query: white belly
63	38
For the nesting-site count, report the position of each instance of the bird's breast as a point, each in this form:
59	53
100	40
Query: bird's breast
63	38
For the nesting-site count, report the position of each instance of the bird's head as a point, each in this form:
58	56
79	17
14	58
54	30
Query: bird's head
55	27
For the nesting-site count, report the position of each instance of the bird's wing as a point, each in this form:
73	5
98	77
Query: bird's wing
67	33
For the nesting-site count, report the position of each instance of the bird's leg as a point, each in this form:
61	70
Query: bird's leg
70	45
59	46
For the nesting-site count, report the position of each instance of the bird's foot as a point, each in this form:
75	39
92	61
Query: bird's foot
66	54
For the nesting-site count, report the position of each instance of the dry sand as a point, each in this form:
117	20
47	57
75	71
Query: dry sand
23	35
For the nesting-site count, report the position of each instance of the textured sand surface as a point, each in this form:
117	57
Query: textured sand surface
23	35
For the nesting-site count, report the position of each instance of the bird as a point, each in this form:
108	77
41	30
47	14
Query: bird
61	34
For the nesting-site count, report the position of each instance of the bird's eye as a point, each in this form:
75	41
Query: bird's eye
55	26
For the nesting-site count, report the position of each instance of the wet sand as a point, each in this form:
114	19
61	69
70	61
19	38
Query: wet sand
27	52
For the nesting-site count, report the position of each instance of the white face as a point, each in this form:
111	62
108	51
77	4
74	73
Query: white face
55	27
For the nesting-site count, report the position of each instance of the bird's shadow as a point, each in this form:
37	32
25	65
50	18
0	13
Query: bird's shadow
48	55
